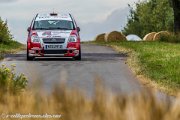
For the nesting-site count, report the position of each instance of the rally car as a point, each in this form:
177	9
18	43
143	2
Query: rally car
53	35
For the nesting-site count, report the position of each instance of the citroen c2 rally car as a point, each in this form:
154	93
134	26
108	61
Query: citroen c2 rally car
53	35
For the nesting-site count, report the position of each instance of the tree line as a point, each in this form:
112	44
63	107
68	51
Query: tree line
153	16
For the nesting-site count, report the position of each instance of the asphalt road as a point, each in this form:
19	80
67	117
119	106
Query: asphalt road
97	62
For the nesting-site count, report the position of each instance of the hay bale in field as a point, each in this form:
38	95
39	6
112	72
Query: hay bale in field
160	34
100	38
149	36
115	36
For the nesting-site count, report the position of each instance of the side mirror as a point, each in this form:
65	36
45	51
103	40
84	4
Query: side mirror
29	29
78	29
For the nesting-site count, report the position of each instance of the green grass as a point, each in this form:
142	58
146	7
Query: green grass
11	47
158	61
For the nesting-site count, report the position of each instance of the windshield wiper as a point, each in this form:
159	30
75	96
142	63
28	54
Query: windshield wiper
40	28
64	28
58	28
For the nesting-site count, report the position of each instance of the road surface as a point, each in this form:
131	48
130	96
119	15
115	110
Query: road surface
97	62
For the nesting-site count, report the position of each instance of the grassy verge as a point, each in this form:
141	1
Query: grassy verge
11	47
71	104
64	103
155	63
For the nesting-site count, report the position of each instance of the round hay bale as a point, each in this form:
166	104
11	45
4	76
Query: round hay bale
115	36
100	38
160	34
149	36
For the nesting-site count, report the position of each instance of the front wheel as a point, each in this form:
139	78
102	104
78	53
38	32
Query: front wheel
79	56
28	57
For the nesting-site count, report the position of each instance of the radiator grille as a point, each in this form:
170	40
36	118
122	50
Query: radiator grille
54	40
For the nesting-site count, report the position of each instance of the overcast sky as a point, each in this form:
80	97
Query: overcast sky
93	16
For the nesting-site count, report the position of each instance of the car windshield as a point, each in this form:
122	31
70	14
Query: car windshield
53	25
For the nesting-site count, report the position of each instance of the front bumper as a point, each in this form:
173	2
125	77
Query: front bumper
69	52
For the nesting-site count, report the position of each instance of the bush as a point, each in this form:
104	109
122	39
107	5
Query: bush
11	83
172	38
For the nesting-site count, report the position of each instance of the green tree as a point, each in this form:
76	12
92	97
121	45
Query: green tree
5	35
176	8
148	16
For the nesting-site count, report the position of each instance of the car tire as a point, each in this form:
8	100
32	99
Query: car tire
28	57
79	56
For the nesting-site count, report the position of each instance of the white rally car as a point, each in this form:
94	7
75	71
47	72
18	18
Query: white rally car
54	35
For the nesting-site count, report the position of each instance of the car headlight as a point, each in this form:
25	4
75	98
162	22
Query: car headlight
35	39
72	38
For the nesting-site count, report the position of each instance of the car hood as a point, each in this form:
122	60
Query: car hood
54	33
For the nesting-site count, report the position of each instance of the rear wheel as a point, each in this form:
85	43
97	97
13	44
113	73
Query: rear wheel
79	56
28	57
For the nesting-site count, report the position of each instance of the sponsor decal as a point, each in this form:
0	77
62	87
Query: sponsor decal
56	33
48	33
